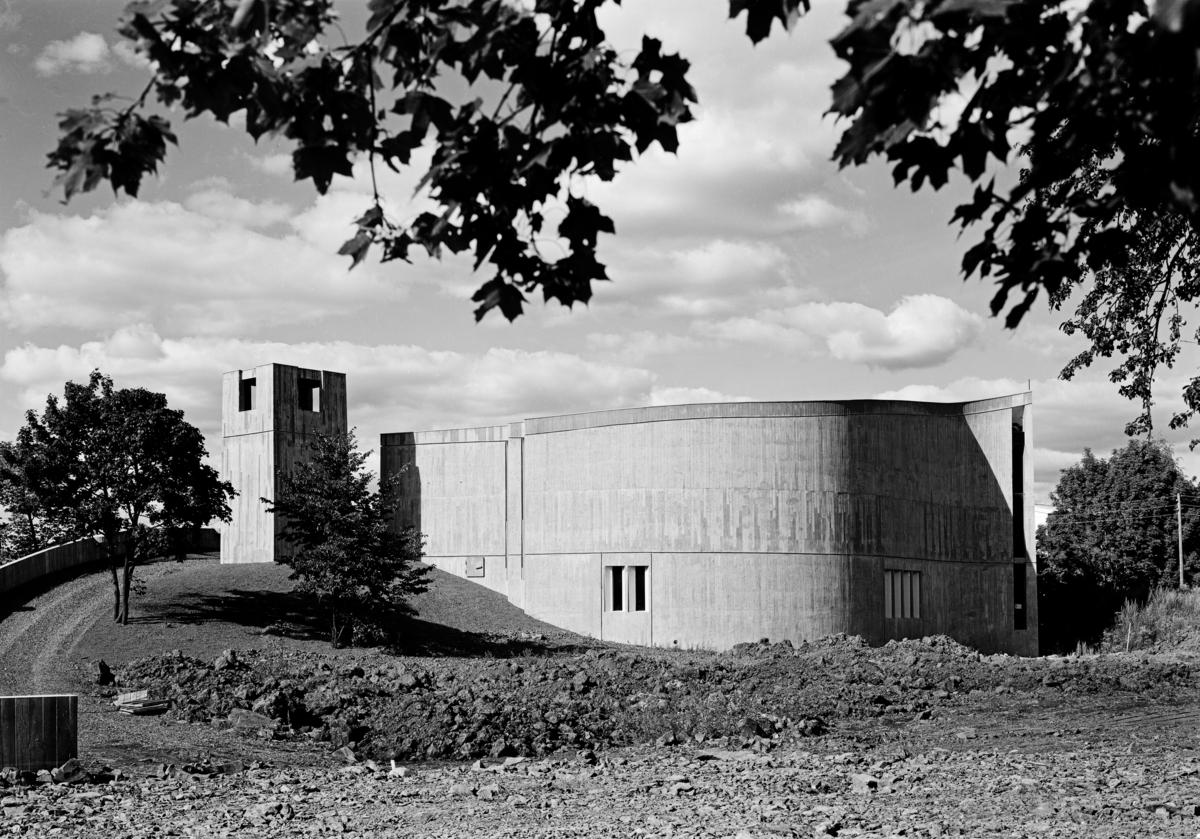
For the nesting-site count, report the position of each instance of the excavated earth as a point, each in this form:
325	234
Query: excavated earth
500	726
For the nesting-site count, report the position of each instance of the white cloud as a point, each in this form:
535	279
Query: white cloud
194	269
816	211
391	387
129	54
220	205
86	53
922	330
279	165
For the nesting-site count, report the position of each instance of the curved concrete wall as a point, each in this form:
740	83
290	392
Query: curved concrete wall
753	520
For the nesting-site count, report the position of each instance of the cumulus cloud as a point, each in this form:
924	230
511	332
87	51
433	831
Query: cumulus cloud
922	330
197	268
816	211
391	387
86	53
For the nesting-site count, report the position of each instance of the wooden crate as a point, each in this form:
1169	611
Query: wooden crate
38	732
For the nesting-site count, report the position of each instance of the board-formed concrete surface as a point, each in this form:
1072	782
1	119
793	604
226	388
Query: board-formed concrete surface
269	415
712	525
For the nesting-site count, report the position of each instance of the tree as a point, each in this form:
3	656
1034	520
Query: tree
346	554
29	527
1113	536
122	466
546	102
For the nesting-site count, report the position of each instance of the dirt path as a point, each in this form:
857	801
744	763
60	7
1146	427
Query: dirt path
38	628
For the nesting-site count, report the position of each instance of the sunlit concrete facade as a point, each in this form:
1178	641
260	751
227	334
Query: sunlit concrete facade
269	415
710	525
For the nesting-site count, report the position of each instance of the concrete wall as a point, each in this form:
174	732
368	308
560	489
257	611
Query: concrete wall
263	442
754	520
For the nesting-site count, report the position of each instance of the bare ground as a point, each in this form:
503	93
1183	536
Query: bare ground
1111	756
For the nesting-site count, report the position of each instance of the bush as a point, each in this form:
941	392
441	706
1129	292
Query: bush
1168	618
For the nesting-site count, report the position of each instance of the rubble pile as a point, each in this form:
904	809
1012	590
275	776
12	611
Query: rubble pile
392	707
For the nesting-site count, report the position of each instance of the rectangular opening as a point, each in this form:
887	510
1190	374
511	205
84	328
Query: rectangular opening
309	392
616	588
1018	484
1020	621
247	394
901	594
639	588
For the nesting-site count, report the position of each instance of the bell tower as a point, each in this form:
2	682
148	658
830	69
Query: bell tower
269	415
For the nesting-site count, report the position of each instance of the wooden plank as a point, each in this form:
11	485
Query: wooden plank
64	733
48	753
29	731
8	732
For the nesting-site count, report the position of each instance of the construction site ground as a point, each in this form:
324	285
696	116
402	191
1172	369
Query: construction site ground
917	738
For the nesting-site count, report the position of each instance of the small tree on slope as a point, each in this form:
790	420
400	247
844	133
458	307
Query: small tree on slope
122	465
346	554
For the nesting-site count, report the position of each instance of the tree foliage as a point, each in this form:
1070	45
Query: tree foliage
1112	537
1097	100
346	553
121	465
29	525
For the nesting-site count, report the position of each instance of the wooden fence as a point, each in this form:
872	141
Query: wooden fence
38	732
70	555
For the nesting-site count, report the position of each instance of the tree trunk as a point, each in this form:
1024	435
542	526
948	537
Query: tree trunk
125	593
116	581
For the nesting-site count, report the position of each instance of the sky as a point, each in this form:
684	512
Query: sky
747	266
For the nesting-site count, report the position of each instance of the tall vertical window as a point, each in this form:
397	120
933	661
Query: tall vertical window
901	594
639	588
626	588
309	393
1020	620
247	394
616	588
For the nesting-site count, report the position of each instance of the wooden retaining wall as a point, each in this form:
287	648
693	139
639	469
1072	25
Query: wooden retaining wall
38	732
71	555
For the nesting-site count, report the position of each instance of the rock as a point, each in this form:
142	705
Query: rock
1044	810
104	675
262	811
408	681
864	784
748	727
241	718
461	790
231	767
966	734
670	739
487	793
347	754
71	772
398	771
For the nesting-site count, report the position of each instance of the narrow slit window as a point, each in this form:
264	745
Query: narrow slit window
1020	619
247	394
616	588
639	588
309	392
901	594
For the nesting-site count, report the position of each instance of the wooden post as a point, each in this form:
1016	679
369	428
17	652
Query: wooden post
38	732
1179	526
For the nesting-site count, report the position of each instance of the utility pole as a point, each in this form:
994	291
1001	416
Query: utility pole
1179	530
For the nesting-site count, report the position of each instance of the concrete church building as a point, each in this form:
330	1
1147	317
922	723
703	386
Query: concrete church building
710	525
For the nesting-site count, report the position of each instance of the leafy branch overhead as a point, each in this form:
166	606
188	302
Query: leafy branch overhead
551	102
